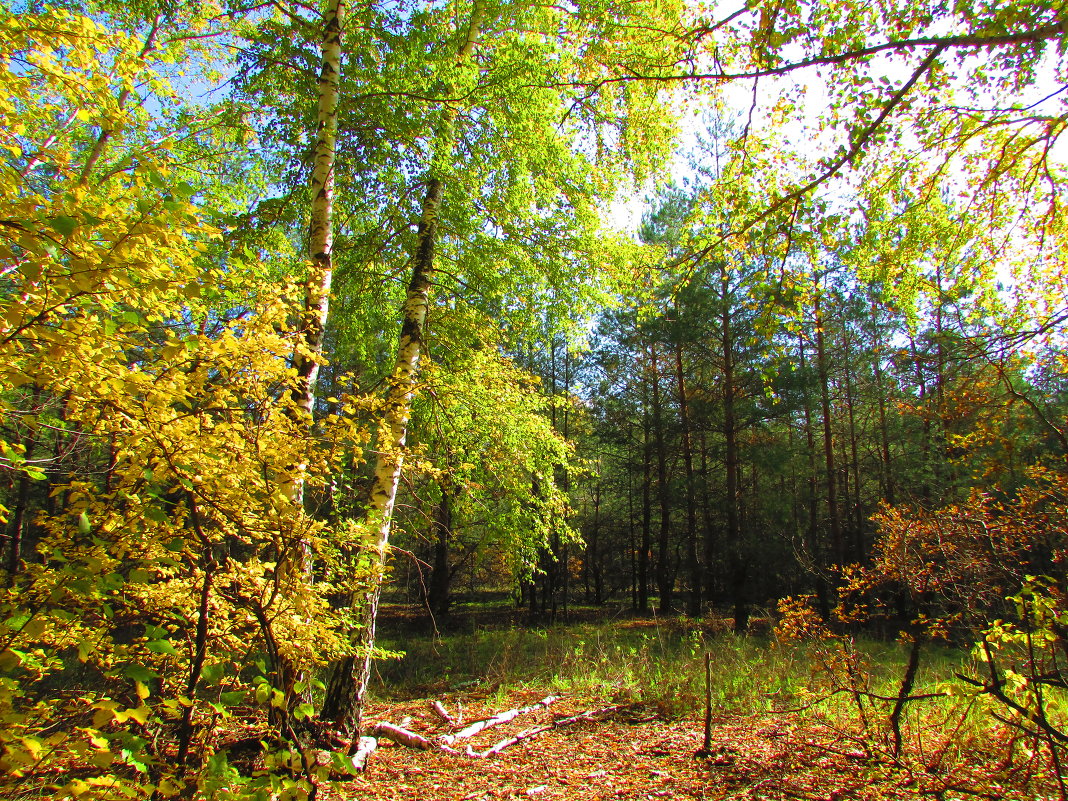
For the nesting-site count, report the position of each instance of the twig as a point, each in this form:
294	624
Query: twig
536	730
438	709
402	736
366	747
502	717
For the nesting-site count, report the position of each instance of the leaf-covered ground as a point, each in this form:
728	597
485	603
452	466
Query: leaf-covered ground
633	753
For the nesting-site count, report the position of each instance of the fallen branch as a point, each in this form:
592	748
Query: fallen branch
536	730
496	720
402	736
438	709
366	747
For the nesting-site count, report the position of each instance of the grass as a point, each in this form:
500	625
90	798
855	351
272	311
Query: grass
659	663
840	689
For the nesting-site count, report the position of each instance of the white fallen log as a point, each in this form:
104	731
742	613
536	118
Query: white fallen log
495	720
363	752
536	730
439	709
402	736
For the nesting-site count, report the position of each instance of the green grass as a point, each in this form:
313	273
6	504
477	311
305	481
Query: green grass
659	663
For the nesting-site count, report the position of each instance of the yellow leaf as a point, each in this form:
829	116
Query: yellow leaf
9	660
103	759
168	788
33	747
140	714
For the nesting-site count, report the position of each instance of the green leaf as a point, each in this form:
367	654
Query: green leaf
157	515
63	225
161	647
10	659
343	763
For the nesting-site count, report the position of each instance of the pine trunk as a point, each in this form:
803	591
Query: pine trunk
694	606
833	511
665	579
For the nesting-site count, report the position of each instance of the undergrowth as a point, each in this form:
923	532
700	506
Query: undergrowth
658	663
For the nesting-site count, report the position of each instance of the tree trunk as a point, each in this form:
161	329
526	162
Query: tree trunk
565	478
857	521
886	471
20	512
104	135
665	577
308	358
647	507
440	575
833	512
632	542
347	688
294	562
739	569
812	501
709	544
925	413
694	606
592	563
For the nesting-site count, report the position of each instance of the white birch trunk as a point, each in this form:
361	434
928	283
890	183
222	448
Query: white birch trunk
295	561
308	355
348	685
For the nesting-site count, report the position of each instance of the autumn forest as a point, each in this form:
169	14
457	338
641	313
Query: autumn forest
492	399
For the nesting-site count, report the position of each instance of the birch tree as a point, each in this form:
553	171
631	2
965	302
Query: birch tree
503	174
317	285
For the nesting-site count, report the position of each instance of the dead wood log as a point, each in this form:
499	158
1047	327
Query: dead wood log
366	747
536	730
495	720
439	709
402	736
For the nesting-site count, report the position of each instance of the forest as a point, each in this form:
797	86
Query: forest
489	399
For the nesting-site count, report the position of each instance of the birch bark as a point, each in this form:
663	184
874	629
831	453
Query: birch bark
308	357
347	687
295	562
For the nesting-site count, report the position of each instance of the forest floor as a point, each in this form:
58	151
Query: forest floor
632	753
640	748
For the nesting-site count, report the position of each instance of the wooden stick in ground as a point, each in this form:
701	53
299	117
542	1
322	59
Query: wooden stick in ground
496	720
536	730
707	747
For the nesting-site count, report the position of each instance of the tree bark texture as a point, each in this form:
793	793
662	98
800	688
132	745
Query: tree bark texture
347	687
696	567
665	578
